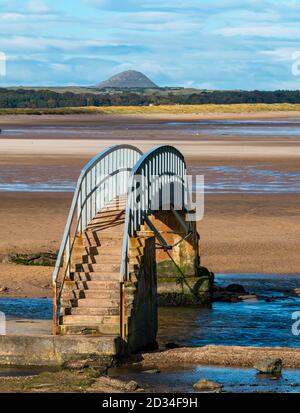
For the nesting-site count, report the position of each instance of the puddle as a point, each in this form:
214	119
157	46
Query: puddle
240	122
37	178
27	308
266	128
23	371
235	179
235	380
257	323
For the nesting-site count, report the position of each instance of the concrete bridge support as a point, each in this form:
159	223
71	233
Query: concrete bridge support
140	295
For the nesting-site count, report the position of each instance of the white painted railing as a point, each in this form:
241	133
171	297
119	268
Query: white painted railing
157	182
102	179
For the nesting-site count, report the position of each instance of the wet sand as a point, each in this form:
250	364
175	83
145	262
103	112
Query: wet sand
240	232
230	356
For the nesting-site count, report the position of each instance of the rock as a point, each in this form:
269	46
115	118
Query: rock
269	366
207	385
94	363
153	371
223	295
3	288
76	364
204	272
5	259
42	258
226	297
171	345
268	376
235	288
132	386
295	291
247	297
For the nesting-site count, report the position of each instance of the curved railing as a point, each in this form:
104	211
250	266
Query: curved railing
101	180
157	182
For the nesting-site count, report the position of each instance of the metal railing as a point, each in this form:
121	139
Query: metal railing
101	180
157	182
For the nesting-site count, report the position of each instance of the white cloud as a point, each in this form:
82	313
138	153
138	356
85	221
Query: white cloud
25	43
37	6
276	31
280	54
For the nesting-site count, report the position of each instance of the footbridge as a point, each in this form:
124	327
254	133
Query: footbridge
130	215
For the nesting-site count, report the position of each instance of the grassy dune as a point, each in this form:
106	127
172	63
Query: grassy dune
161	109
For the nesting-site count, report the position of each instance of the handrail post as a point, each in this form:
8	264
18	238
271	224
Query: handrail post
68	257
55	310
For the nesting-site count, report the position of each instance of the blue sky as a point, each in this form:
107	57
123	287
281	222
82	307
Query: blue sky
215	44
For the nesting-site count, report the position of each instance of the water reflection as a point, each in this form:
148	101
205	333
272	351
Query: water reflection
236	380
285	127
248	178
257	323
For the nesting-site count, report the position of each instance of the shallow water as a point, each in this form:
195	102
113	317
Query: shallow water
37	178
57	132
266	128
257	323
248	178
217	179
240	122
236	380
26	371
27	308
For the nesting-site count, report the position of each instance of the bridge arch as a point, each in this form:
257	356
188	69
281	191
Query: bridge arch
131	219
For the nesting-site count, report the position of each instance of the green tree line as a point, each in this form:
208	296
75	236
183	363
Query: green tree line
24	98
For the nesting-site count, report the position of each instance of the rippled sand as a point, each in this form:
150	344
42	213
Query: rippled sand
245	231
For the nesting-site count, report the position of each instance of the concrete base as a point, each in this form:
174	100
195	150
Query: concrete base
186	291
47	350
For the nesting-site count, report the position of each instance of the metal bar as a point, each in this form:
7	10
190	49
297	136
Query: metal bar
180	220
55	318
157	234
68	256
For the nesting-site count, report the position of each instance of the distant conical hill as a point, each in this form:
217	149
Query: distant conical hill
128	79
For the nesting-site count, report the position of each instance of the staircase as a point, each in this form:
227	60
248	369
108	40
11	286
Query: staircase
104	280
91	297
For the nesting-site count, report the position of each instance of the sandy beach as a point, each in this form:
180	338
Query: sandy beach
241	232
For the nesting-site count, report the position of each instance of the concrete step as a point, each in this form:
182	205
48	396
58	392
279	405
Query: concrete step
98	294
96	276
105	220
89	319
90	329
94	311
105	267
105	226
95	302
115	209
136	252
112	247
102	258
97	285
111	236
113	244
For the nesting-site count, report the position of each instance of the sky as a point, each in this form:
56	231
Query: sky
207	44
